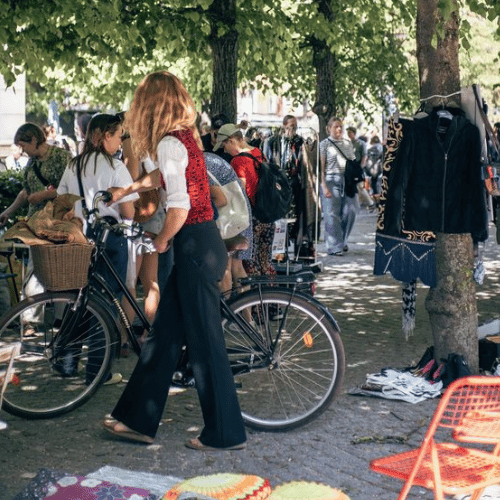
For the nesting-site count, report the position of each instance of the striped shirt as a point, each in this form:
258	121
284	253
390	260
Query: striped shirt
335	162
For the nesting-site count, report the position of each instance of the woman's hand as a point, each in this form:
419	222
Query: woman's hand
161	244
116	194
326	191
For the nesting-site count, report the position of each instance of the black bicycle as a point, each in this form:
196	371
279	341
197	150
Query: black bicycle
284	346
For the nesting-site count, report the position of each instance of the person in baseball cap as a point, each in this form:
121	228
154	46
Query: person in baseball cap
225	132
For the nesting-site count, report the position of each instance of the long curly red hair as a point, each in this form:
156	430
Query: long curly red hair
160	105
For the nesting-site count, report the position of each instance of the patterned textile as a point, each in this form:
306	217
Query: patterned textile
51	166
197	180
52	485
38	487
405	260
406	254
305	490
409	296
76	487
223	487
261	263
335	159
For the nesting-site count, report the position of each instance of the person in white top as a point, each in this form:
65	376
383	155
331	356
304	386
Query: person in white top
99	171
143	265
162	123
339	208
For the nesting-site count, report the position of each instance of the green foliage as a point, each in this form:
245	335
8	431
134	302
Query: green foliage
94	52
10	186
479	62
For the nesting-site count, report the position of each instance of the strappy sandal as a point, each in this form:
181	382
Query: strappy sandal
196	444
110	424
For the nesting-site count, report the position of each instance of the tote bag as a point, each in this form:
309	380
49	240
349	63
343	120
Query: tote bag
233	217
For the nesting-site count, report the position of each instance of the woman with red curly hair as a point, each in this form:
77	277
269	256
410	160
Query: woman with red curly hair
162	124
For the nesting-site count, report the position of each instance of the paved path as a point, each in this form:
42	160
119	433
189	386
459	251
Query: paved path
335	449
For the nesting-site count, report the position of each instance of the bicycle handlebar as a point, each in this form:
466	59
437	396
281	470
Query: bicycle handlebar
130	229
104	196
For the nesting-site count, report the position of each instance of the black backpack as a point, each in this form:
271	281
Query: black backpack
274	192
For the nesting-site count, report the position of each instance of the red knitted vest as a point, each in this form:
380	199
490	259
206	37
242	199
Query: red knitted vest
196	180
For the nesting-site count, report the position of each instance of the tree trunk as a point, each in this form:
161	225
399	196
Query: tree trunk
224	59
452	304
325	63
325	106
438	65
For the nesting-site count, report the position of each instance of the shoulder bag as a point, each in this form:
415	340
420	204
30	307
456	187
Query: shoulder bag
353	174
233	217
147	204
38	173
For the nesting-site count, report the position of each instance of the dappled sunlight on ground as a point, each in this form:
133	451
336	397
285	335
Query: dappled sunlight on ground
368	308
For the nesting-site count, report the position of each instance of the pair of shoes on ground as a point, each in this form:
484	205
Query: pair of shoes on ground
339	253
196	444
120	430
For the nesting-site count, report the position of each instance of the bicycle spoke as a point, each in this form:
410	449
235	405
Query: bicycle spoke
303	369
60	365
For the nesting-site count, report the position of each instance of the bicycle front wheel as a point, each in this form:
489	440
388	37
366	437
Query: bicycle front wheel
288	362
65	353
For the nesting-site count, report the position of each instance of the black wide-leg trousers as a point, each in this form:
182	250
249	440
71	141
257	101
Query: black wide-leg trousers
188	314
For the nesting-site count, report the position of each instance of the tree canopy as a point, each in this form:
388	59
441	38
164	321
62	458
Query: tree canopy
97	51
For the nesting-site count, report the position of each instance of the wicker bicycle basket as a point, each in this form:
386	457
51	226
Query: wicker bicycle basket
61	266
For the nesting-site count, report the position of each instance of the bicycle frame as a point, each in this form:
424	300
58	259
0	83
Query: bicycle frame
96	280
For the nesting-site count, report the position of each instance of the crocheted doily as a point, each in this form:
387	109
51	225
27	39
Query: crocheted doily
223	486
304	490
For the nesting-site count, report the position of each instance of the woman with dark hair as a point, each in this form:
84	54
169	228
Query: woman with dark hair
99	171
42	172
162	124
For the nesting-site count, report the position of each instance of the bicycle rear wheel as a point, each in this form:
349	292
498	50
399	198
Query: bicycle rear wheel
293	370
65	353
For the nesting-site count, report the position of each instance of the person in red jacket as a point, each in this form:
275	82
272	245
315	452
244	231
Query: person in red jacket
230	137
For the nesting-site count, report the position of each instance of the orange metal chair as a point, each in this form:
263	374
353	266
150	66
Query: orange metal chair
460	451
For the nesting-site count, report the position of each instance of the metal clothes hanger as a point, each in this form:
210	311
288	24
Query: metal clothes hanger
444	97
443	113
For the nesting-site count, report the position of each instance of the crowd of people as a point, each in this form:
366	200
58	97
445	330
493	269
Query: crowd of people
157	146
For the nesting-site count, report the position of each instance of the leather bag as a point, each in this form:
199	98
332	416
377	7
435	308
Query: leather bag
147	204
